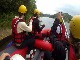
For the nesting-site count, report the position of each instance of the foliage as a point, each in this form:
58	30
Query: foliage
5	20
9	9
67	17
7	6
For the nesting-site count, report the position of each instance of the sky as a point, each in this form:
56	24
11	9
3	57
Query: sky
71	7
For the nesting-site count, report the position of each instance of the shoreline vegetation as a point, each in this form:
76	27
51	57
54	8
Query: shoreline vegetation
9	9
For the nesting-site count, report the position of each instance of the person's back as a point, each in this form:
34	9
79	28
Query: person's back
59	52
16	34
36	24
54	27
58	29
20	29
75	34
36	27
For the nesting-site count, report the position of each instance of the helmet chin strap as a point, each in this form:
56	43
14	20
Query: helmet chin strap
25	17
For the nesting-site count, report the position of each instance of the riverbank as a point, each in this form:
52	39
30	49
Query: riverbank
4	33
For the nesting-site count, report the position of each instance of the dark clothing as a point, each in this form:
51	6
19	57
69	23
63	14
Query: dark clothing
58	53
47	55
61	34
36	27
29	42
55	25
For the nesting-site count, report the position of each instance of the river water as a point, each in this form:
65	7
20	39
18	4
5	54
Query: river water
49	22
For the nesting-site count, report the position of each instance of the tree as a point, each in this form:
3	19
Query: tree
7	6
66	16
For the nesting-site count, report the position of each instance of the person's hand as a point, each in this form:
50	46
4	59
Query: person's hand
59	14
43	25
3	56
31	20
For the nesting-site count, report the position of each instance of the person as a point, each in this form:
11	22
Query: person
19	31
35	14
4	55
58	53
58	28
75	34
36	22
36	27
57	39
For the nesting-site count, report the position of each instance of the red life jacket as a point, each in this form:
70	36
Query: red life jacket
72	55
61	35
17	37
33	27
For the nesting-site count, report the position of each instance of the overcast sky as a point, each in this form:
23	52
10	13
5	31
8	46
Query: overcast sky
53	6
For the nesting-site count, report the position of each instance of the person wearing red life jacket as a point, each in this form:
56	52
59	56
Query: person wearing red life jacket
36	27
59	52
19	30
58	28
36	22
19	33
75	37
57	38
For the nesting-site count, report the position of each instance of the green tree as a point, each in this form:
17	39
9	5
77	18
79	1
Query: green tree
9	8
66	16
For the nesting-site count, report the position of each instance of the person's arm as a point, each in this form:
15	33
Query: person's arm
24	27
3	56
59	15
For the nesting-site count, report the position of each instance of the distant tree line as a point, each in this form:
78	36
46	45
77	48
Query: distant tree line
66	16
